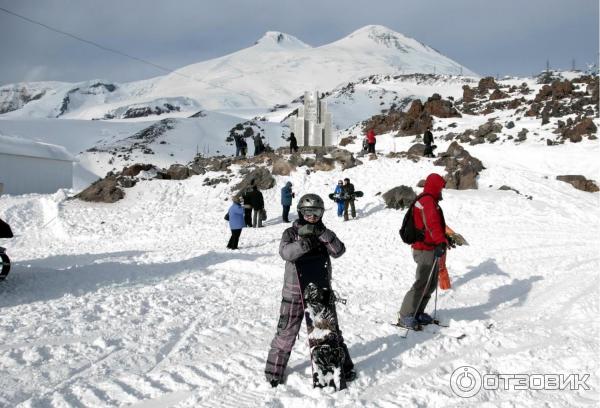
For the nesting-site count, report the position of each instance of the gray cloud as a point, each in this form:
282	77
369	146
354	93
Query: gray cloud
506	37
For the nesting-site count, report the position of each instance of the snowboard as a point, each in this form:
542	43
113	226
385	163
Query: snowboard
357	194
5	263
326	352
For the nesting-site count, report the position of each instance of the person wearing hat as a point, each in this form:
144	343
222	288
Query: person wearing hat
236	222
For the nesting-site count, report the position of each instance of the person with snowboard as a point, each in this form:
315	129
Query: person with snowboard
429	218
293	143
236	222
371	141
286	200
337	196
307	237
428	140
348	197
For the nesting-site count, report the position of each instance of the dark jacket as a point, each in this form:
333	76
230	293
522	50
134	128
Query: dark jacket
428	215
286	194
292	247
428	137
255	199
348	191
293	141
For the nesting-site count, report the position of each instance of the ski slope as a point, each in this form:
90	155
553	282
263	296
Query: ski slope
139	304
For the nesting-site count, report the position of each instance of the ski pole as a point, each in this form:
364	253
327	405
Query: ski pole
435	261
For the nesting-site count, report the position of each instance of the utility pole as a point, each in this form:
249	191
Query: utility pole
547	65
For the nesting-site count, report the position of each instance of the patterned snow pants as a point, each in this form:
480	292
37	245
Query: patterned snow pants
291	314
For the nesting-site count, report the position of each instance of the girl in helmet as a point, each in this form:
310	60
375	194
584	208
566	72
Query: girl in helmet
307	236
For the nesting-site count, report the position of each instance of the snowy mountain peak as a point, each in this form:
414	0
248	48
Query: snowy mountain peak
280	39
386	37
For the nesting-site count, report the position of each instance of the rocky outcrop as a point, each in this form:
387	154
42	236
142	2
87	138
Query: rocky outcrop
579	182
462	169
261	177
104	190
441	108
399	197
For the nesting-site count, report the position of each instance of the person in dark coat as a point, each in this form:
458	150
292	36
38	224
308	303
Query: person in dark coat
293	143
428	140
247	206
428	217
348	196
238	144
258	145
257	202
308	237
236	222
286	200
243	147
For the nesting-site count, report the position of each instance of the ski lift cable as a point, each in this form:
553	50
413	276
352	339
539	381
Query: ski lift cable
115	51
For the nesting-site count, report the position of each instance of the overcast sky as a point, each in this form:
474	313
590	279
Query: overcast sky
490	37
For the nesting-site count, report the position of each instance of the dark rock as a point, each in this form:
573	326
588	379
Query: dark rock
579	182
510	124
347	140
417	149
179	172
261	177
135	169
399	197
522	135
102	191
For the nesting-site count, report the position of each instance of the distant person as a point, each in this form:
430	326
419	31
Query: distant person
238	144
258	204
348	196
247	207
243	147
337	197
258	145
428	140
236	222
286	200
371	141
293	143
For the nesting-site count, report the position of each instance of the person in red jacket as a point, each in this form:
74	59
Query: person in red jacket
428	216
371	141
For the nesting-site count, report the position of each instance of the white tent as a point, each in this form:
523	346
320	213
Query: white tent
33	167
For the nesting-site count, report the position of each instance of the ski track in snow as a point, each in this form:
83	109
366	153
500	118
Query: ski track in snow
139	304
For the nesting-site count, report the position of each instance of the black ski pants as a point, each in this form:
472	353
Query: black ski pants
235	238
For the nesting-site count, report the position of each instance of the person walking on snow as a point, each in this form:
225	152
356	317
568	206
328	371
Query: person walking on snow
293	143
236	222
238	144
348	197
371	140
307	237
428	140
428	217
337	195
258	145
286	200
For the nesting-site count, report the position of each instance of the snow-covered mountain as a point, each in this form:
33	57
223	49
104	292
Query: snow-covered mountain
275	70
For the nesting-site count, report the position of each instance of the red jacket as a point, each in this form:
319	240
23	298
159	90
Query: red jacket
427	206
371	136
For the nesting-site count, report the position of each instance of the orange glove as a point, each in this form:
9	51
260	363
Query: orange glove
443	277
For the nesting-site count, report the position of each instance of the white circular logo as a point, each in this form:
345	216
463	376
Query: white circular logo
465	381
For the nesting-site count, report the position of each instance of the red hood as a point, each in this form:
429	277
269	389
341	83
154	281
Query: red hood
434	185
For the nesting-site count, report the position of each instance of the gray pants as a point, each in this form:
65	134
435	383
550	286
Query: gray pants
424	260
349	204
256	218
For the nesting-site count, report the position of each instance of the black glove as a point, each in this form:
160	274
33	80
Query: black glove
440	250
308	230
451	241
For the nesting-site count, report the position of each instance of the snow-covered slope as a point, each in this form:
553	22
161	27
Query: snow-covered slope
276	69
139	304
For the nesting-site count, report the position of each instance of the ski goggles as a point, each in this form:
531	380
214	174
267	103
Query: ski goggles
312	211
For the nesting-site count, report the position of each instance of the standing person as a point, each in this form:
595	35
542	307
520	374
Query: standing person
247	207
428	140
258	145
348	196
307	237
238	144
337	195
236	222
371	140
293	143
286	200
428	217
243	147
258	204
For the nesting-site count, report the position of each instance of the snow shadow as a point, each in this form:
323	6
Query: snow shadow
372	209
513	294
76	275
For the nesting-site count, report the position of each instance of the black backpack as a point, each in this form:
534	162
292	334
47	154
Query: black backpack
409	232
